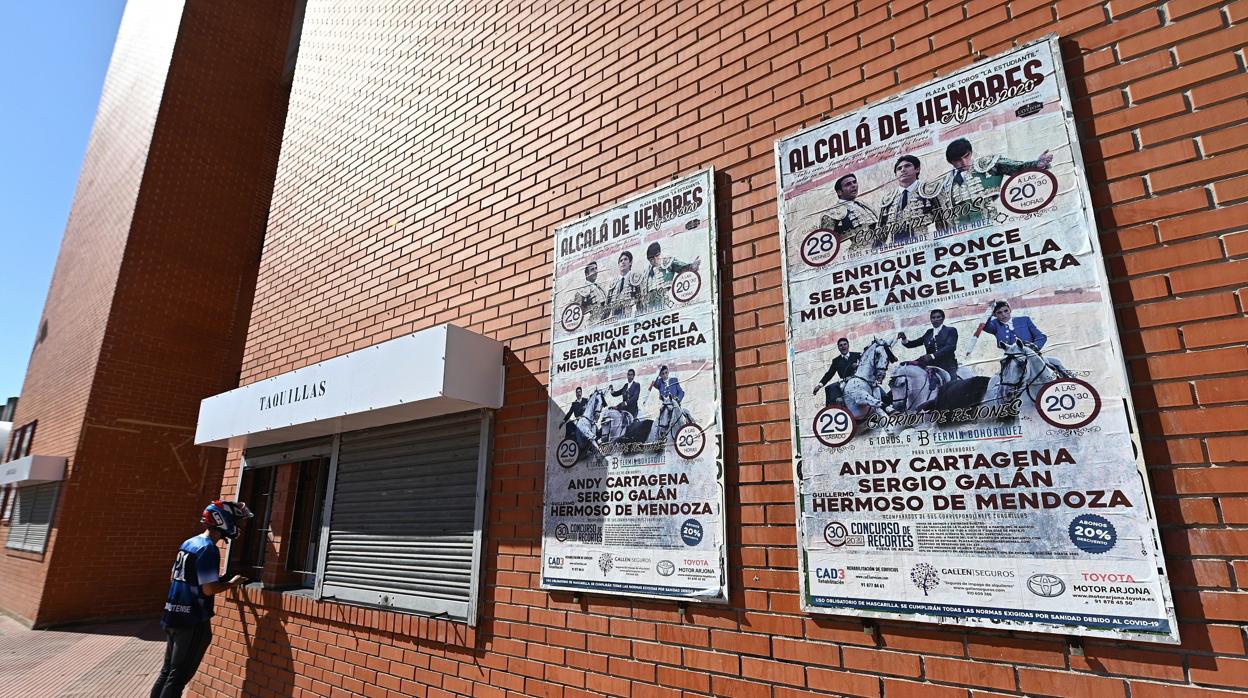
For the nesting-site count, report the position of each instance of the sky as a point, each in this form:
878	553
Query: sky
53	57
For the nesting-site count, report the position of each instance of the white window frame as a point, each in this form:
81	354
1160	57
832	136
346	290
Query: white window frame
20	440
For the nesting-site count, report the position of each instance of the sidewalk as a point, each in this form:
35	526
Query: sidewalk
89	661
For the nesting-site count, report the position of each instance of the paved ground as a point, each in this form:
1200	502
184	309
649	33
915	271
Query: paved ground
88	661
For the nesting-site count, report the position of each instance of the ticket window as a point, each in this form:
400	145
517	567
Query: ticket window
303	544
284	486
389	517
249	551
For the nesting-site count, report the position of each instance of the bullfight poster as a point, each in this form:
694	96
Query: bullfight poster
634	497
965	450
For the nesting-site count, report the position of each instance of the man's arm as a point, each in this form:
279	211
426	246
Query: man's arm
207	572
678	266
1006	166
916	342
214	588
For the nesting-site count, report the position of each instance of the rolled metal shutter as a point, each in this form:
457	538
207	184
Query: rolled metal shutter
405	516
32	517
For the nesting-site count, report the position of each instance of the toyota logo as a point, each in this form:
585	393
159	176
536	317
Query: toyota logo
1046	585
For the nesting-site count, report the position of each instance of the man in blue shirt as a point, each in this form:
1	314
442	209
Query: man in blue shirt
194	580
1007	327
669	388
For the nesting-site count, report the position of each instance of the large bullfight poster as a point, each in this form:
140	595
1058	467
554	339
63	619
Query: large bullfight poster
964	445
634	500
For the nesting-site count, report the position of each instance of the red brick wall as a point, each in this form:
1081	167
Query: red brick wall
150	299
175	334
62	366
430	152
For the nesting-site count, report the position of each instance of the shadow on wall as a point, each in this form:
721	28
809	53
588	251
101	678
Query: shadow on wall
517	480
1095	149
270	667
728	386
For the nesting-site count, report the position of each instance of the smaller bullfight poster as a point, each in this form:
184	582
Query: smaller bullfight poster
965	450
634	497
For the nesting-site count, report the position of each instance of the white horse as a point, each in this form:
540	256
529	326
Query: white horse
1025	370
615	422
618	425
672	417
584	429
917	388
863	394
914	386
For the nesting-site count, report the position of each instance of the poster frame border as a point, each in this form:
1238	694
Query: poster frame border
972	623
724	597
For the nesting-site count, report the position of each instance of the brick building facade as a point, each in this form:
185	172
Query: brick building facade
427	156
148	304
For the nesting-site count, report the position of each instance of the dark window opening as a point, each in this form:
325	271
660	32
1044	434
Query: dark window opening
20	441
6	503
250	549
305	526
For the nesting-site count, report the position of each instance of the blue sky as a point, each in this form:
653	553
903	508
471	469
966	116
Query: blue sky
53	57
